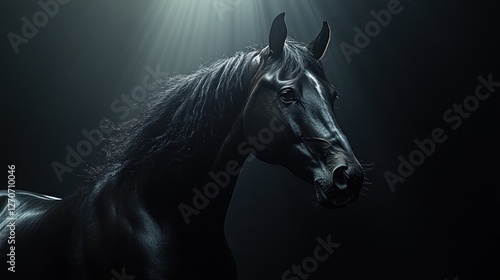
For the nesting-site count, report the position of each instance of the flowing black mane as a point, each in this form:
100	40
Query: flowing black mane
181	115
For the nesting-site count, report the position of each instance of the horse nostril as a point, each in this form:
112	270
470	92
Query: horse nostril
340	177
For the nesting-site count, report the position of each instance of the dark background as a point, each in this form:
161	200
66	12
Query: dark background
438	224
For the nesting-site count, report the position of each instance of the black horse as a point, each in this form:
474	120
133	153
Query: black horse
157	207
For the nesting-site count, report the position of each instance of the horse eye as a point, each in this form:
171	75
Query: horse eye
288	95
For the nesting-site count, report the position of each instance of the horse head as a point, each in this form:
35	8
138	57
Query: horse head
291	108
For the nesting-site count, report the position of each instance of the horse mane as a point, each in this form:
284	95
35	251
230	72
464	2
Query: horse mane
181	115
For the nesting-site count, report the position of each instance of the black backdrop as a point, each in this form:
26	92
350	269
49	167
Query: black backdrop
437	224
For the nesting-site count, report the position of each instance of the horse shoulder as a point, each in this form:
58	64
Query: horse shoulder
21	206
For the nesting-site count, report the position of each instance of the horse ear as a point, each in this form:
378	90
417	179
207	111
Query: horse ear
319	45
277	35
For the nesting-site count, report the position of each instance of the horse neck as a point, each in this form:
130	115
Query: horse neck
210	188
192	194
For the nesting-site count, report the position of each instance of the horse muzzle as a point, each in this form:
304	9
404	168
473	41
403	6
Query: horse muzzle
341	189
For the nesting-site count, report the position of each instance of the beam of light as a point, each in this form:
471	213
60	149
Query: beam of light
181	34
